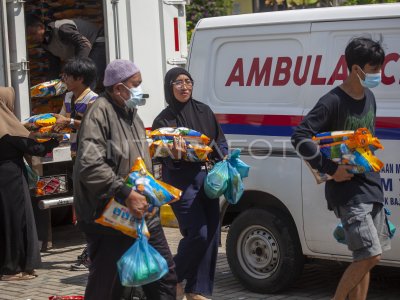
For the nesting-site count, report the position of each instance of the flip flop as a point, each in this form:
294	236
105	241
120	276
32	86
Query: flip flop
16	277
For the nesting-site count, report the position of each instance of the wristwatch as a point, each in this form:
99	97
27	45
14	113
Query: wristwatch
71	123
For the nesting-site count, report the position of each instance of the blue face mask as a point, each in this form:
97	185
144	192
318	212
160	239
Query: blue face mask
371	80
136	99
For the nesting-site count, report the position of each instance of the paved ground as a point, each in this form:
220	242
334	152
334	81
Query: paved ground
317	282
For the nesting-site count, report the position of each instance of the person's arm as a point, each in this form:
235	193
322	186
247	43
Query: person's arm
222	144
69	34
30	146
315	122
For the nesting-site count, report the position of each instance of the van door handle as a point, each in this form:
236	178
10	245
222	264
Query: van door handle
176	2
177	61
23	65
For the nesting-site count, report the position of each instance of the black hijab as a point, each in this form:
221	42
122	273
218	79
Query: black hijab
191	114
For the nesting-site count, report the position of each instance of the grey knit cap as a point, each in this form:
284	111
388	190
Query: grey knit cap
118	71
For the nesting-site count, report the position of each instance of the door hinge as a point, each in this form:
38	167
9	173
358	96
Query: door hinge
23	65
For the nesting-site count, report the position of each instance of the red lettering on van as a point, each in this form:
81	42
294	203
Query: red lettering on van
300	80
390	57
315	80
283	71
237	68
340	72
258	75
283	66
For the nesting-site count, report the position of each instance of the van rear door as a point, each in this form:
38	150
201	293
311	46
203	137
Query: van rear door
153	35
14	43
329	40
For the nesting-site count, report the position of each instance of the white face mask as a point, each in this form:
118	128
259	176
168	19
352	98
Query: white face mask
136	99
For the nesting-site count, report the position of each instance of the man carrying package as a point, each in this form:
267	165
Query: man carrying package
357	199
111	138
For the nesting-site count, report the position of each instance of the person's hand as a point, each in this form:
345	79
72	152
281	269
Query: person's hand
342	173
179	148
137	204
61	122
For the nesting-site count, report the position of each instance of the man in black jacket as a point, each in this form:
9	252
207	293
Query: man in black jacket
111	137
65	39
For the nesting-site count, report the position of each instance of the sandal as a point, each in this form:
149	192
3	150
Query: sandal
18	276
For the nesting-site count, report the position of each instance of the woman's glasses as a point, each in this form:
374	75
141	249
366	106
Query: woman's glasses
180	83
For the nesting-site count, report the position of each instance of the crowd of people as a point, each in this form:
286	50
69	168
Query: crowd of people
103	124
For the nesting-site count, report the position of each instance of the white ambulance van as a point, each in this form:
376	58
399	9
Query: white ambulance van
260	73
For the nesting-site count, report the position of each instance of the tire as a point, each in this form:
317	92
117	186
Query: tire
263	251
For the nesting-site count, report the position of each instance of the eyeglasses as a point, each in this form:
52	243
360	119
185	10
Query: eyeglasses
180	83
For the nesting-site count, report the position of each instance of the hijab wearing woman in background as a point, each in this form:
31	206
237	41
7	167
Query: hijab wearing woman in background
198	216
19	247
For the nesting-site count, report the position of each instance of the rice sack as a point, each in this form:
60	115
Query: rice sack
197	148
157	193
354	148
48	89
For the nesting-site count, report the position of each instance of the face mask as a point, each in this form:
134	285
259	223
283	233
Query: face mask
136	98
371	80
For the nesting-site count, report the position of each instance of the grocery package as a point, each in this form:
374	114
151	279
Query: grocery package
42	127
226	178
355	148
157	193
141	263
118	216
48	89
66	298
197	148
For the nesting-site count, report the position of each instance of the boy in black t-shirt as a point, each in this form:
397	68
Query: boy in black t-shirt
356	199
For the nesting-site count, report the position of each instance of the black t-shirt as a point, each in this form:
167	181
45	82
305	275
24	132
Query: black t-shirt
338	111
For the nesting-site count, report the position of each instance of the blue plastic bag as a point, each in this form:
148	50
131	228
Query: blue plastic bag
216	180
141	263
239	165
33	178
235	186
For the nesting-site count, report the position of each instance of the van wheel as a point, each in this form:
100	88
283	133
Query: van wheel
263	251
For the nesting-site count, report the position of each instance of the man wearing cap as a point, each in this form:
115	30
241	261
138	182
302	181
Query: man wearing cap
110	139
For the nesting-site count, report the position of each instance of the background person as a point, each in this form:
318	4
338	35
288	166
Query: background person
19	246
78	74
111	138
198	216
65	39
356	199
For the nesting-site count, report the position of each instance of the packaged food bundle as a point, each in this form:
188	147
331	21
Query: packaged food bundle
48	89
197	148
354	148
41	120
157	193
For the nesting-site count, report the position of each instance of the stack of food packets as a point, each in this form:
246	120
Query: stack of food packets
157	193
48	89
42	125
197	148
355	148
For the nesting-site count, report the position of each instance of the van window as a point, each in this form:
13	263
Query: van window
268	71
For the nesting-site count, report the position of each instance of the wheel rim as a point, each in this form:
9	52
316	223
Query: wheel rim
258	252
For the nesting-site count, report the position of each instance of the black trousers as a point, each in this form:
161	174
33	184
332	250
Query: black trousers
106	250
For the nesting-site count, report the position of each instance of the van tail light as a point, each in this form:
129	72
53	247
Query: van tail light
176	34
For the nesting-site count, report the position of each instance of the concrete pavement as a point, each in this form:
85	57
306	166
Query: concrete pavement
317	282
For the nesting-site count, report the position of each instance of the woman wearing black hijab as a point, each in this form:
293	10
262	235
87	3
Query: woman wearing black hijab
198	216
